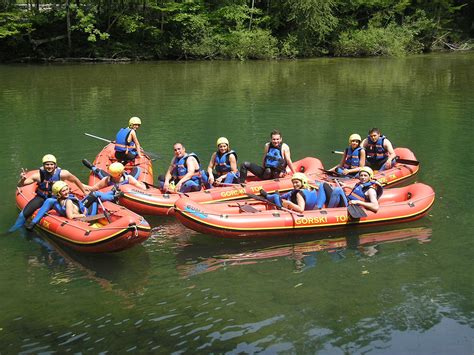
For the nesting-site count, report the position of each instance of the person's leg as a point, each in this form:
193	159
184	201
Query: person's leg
30	208
190	186
253	168
232	178
338	198
45	208
321	199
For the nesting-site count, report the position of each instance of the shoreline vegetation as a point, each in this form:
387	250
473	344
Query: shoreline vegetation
134	30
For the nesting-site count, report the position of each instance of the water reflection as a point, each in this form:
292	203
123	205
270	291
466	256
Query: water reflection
195	258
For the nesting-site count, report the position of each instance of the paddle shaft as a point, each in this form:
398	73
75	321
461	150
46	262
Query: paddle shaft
150	154
263	199
106	212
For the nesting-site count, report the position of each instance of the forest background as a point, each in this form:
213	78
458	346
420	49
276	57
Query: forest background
230	29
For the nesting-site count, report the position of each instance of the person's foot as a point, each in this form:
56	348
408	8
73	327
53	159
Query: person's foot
30	226
263	193
87	164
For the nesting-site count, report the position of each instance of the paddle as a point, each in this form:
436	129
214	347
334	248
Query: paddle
92	218
397	158
153	156
355	211
263	199
106	212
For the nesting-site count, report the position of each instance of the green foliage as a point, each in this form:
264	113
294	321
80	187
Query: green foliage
255	44
86	23
288	47
13	24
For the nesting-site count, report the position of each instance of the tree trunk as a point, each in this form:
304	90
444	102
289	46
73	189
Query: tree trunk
68	23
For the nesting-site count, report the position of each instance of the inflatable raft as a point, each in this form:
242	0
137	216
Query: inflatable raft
234	219
124	230
153	202
107	156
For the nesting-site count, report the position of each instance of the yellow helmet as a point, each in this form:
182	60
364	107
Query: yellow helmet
353	137
368	171
49	158
134	120
116	169
301	177
222	140
58	186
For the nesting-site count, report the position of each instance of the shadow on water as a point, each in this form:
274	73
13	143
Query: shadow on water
194	258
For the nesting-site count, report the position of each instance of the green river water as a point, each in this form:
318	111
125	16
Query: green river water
184	292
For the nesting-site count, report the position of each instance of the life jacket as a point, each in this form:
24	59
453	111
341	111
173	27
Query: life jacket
222	163
121	144
274	158
375	150
46	182
123	182
310	197
352	158
61	209
359	190
180	169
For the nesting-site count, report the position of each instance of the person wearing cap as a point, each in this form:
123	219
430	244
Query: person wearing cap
276	157
45	177
353	158
66	204
127	147
301	198
184	173
223	164
380	153
365	193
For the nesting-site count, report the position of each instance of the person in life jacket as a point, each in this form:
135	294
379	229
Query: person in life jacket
127	147
276	158
65	204
184	173
301	198
116	177
353	158
45	177
379	151
365	193
223	164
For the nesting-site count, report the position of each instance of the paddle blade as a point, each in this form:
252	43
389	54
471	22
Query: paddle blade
408	162
356	211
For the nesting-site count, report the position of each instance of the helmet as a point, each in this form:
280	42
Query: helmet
222	140
301	177
58	186
116	169
354	136
134	120
49	158
368	171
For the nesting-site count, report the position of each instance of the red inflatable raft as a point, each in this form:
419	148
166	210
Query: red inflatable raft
107	156
153	202
125	229
230	219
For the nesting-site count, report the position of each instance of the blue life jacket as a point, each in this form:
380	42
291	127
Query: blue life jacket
46	182
121	144
375	150
222	163
274	158
180	169
352	158
62	209
359	190
310	197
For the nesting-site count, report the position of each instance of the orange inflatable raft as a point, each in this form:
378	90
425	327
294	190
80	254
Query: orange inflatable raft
231	219
124	230
107	156
153	202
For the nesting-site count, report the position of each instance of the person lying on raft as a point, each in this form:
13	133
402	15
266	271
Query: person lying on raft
46	176
184	172
365	193
127	147
66	204
353	158
301	198
380	153
276	157
116	177
223	164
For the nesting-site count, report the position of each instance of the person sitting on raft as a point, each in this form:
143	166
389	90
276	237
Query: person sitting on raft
184	172
353	158
66	204
365	193
223	164
116	177
301	198
379	150
127	147
276	158
46	176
